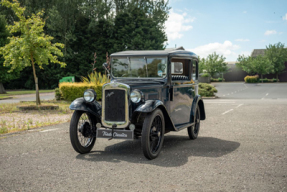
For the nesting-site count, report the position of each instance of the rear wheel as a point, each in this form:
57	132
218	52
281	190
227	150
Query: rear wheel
194	130
81	132
153	134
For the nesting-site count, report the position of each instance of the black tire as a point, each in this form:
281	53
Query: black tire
194	130
153	134
76	131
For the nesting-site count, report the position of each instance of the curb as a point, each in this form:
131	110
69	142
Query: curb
216	97
6	98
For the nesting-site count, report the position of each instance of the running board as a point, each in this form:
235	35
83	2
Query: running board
178	128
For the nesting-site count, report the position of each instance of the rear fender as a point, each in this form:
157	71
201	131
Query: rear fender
197	101
151	105
94	107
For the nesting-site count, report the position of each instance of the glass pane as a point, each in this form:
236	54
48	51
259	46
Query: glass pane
120	67
139	67
176	68
156	67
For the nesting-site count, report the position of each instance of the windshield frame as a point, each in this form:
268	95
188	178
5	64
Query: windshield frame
145	58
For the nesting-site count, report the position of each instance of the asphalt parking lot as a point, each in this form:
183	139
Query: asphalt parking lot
242	146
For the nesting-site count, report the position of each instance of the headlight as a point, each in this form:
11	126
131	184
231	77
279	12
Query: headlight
90	95
136	96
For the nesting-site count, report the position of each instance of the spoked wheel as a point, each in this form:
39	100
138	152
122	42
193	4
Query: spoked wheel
153	134
81	132
194	130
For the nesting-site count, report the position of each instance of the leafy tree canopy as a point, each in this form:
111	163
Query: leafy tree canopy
213	64
277	56
32	46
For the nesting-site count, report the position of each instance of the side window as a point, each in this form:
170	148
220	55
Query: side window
176	68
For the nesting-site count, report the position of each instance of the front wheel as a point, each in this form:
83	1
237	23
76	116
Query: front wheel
81	132
194	130
153	134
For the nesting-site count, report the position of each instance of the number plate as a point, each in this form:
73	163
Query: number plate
117	134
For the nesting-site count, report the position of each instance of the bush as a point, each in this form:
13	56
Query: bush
205	75
58	94
217	80
72	91
206	90
251	79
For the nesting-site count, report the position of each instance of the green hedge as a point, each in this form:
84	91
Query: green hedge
251	79
217	80
206	90
72	91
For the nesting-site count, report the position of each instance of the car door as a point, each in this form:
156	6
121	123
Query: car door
180	105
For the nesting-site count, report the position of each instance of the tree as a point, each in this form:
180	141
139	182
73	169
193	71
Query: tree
4	75
134	30
201	65
32	46
277	56
214	63
259	64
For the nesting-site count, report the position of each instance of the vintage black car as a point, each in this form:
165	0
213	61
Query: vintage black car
151	93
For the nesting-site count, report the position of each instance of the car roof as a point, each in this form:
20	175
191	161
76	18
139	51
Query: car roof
166	52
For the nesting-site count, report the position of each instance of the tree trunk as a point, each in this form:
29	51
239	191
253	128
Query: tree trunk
38	102
261	78
2	89
276	77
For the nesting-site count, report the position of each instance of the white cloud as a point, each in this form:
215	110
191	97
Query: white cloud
176	24
270	32
244	12
227	49
242	40
285	17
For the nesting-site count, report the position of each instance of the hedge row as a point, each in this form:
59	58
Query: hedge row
255	79
206	90
251	79
217	80
72	91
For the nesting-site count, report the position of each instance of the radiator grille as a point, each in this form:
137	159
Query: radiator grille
114	105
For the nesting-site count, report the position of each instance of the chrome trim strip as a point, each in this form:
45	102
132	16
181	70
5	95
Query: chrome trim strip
119	86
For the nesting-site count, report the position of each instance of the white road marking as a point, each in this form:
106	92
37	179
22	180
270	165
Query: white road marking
49	130
245	85
223	95
219	102
227	111
239	105
265	95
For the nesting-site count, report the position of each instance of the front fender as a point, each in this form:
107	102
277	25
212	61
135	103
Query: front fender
197	101
80	104
150	105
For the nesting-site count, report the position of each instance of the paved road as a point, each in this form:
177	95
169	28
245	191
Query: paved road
242	146
28	97
252	91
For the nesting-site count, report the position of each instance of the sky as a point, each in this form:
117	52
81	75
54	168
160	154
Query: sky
227	27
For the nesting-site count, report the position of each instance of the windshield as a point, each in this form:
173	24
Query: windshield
139	67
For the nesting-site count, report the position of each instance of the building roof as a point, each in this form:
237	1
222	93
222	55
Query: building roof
257	52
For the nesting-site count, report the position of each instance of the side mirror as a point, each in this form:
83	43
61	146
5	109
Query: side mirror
105	65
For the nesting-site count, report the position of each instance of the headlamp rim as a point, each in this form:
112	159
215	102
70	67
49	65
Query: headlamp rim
90	90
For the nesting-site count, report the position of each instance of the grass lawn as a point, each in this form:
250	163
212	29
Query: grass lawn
13	120
23	92
3	97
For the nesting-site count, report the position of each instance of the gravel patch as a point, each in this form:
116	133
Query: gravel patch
26	120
